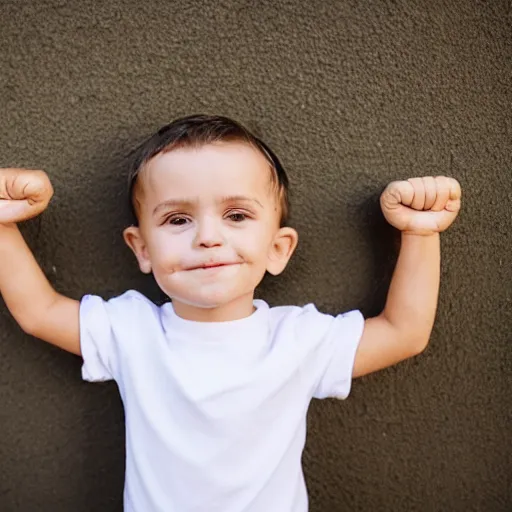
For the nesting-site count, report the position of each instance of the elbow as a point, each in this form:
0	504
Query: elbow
30	328
419	343
33	320
22	319
412	338
413	341
30	325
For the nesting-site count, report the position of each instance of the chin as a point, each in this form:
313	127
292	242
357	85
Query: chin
212	300
207	301
201	304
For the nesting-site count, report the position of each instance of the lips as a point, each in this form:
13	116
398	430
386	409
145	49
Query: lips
214	265
211	265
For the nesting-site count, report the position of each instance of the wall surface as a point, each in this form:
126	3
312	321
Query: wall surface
351	94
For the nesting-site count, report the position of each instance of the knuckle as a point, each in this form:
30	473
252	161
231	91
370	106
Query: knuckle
41	176
455	183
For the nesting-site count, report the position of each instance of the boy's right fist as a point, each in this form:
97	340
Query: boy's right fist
23	194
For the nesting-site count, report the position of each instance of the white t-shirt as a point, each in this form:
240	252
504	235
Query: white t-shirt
216	412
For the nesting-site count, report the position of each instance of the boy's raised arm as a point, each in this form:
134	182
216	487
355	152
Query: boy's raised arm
35	305
420	208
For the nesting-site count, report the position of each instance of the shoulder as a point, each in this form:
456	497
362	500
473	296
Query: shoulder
130	297
128	306
309	324
300	314
304	321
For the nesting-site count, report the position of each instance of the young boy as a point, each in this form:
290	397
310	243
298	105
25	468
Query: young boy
215	384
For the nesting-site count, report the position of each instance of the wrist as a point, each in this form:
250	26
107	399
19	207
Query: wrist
419	242
8	227
8	234
423	234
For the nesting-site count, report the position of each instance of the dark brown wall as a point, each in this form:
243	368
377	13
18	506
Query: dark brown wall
350	94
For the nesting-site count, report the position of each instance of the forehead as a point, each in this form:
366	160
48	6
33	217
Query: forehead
213	170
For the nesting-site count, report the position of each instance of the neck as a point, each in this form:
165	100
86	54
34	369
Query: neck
237	309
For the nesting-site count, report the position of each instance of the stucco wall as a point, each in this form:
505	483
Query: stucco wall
351	95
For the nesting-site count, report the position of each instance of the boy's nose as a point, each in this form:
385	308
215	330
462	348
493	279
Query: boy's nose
208	233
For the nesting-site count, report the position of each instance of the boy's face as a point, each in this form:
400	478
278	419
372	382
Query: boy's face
209	228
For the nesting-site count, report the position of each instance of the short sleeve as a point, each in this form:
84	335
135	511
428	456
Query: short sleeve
336	355
96	339
106	329
328	345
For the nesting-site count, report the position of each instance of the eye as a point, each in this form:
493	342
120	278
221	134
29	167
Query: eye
177	220
237	216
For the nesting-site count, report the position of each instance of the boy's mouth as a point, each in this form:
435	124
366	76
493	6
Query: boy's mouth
206	266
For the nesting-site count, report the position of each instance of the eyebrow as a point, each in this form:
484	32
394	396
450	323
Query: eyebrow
188	202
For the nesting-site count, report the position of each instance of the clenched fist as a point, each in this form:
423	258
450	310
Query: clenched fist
421	206
23	194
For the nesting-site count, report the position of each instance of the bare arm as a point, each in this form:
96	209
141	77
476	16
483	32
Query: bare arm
421	208
403	329
35	305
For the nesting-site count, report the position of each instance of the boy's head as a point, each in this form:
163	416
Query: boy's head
197	131
211	202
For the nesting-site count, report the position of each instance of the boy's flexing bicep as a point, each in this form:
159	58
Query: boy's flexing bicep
37	307
381	345
60	324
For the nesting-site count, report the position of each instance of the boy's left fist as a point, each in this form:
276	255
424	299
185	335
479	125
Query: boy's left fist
24	193
421	206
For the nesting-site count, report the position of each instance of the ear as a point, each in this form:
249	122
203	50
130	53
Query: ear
281	250
133	238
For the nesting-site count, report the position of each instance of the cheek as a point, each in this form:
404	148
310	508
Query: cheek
165	249
255	243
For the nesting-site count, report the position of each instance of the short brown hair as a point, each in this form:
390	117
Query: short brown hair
198	130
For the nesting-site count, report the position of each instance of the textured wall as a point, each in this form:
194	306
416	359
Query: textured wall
350	94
